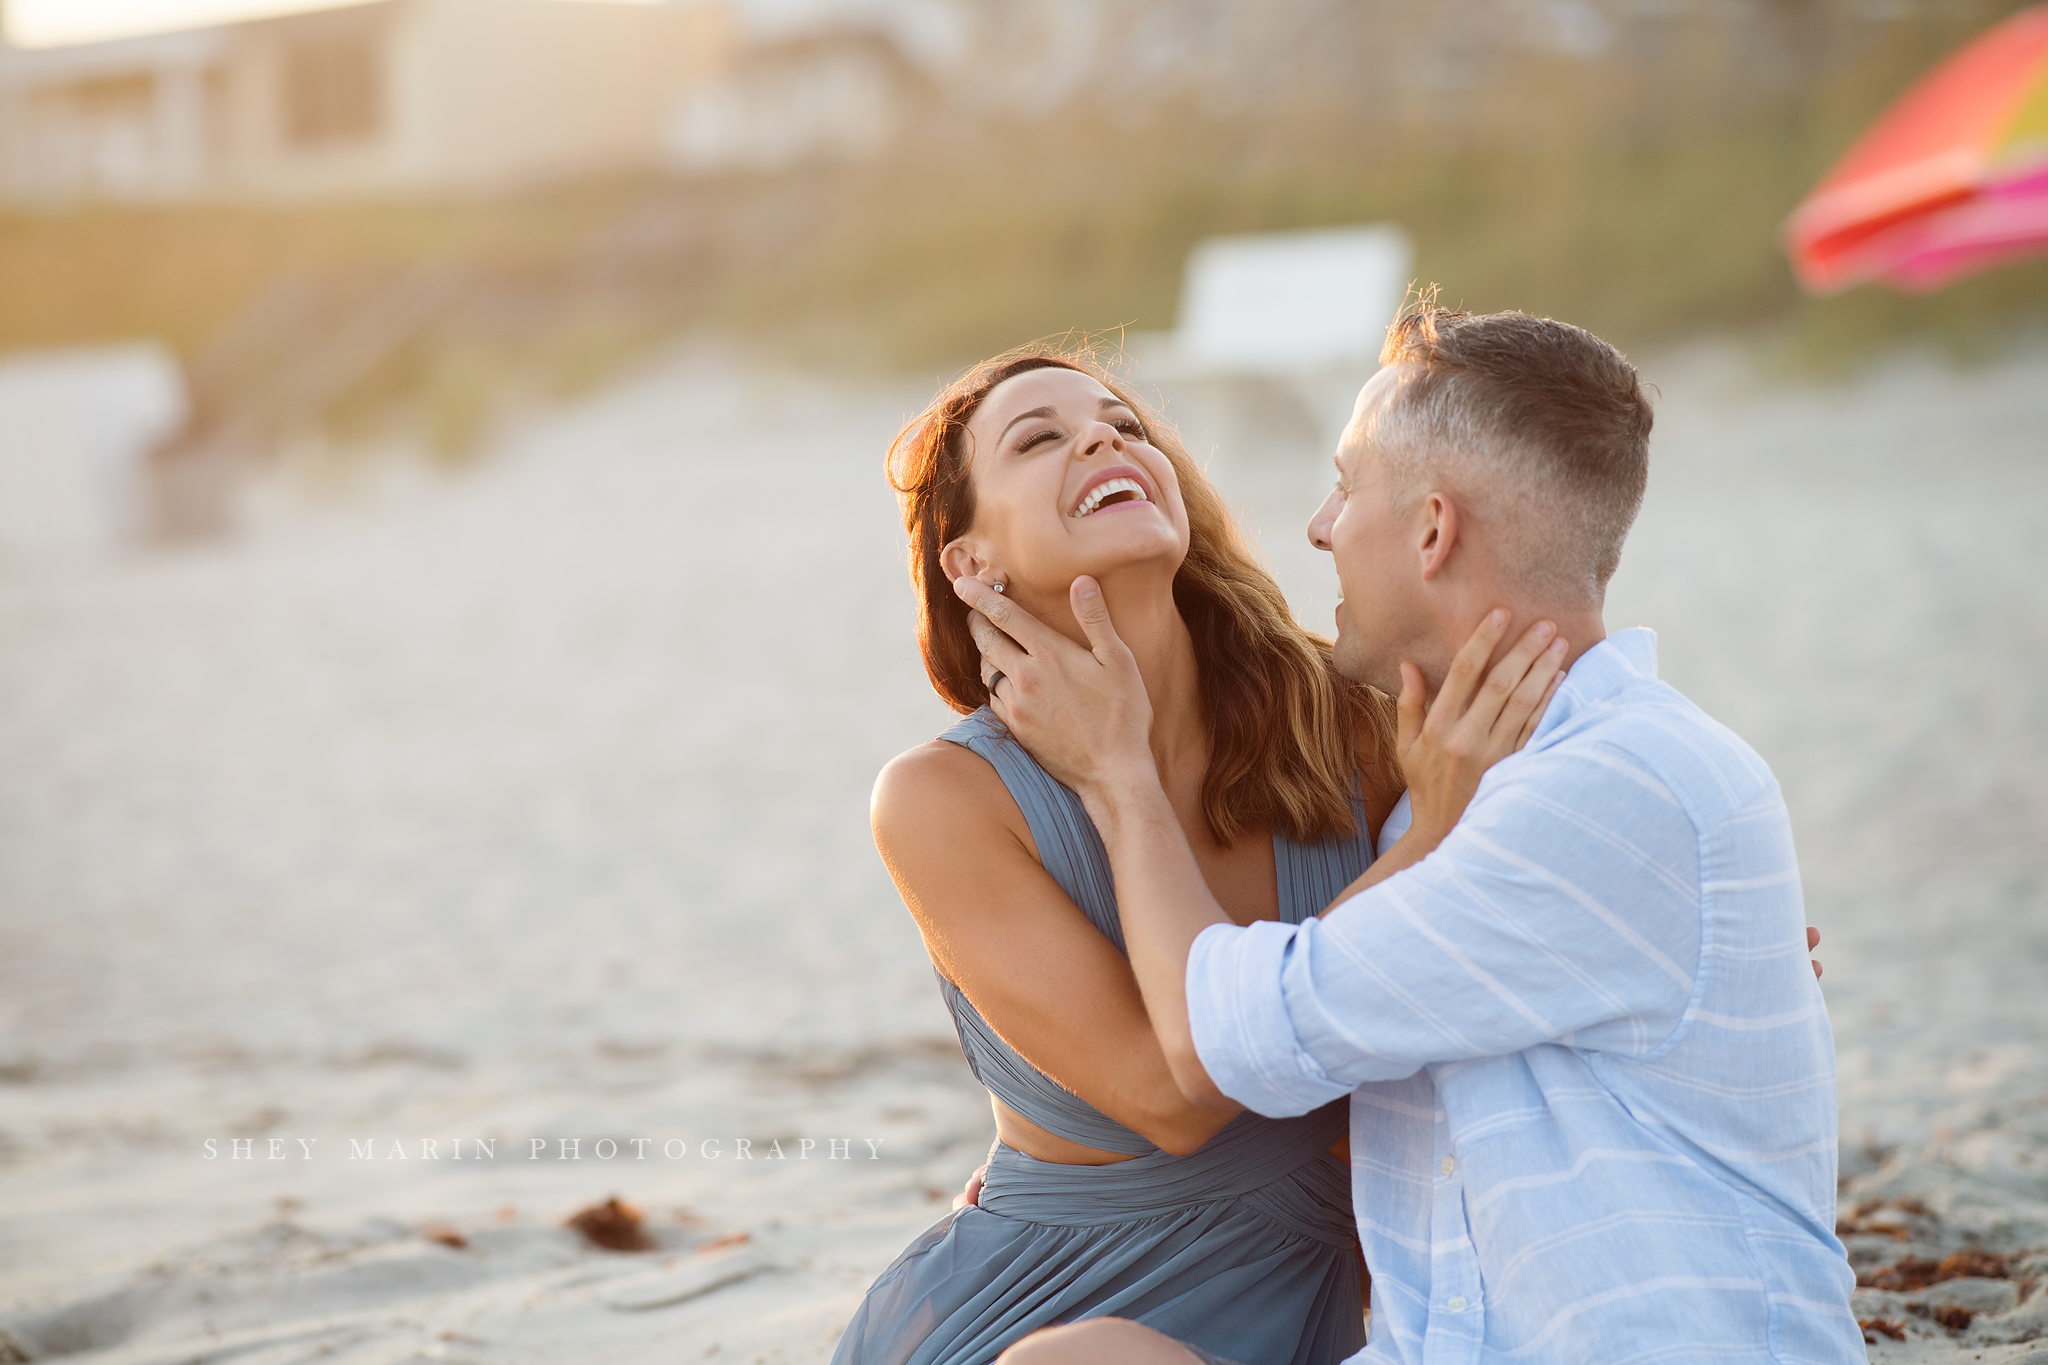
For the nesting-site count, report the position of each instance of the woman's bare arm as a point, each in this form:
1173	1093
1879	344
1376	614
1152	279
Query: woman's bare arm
999	927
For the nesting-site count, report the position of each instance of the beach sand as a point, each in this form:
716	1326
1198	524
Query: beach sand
530	805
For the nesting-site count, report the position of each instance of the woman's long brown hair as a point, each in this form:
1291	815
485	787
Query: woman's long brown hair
1284	725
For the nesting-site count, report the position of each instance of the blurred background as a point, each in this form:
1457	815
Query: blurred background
421	213
451	613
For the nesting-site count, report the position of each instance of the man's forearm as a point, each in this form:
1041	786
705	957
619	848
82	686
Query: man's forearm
1165	904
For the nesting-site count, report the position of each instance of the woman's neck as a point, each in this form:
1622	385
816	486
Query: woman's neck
1148	621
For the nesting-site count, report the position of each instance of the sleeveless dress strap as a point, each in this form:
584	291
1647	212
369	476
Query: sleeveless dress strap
1068	846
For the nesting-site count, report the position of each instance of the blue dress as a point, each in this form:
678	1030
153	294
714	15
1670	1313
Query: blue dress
1243	1249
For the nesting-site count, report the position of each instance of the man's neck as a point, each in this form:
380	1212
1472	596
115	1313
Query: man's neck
1581	628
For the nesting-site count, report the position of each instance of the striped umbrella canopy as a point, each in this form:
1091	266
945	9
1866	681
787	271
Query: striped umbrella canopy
1950	180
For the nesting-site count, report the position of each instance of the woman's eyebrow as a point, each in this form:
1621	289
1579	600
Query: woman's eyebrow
1047	411
1022	417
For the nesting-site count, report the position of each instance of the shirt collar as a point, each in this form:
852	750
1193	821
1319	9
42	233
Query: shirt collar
1622	659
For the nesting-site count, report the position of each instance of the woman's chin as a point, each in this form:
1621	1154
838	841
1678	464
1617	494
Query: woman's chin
1132	538
1121	569
1164	556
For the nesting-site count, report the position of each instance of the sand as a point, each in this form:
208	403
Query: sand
530	804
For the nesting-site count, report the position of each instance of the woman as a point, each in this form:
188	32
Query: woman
1107	1192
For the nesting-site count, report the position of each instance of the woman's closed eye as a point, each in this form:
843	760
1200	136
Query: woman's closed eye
1129	426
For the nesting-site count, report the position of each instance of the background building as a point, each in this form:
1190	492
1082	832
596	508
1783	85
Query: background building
391	96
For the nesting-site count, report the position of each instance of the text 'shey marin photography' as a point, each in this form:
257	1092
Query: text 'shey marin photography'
541	1149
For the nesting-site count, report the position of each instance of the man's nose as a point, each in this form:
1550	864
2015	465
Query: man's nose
1319	525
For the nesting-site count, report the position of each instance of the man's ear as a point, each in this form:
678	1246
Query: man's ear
1436	532
962	559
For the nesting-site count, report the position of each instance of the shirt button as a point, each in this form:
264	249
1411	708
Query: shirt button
1458	1304
1448	1165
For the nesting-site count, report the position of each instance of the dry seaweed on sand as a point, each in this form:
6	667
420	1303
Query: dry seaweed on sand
613	1225
1911	1273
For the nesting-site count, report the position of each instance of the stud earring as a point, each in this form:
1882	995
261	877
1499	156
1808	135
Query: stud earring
997	586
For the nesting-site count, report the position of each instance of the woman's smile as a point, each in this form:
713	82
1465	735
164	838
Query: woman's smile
1118	486
1052	452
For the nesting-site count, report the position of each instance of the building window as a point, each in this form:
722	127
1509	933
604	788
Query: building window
333	90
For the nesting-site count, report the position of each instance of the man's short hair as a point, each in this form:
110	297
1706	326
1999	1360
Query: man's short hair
1539	427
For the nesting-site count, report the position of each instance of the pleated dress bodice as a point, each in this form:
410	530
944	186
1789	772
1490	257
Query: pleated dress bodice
1072	853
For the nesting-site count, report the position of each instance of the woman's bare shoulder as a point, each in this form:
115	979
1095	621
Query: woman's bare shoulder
945	825
937	785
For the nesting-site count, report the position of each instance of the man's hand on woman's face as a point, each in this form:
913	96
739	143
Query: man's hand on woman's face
1083	713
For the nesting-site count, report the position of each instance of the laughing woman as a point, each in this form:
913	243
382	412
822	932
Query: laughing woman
1108	1192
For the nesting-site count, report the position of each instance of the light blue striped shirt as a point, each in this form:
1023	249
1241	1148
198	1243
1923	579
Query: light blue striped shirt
1592	1083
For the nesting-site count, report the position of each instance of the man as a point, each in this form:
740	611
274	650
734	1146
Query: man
1592	1083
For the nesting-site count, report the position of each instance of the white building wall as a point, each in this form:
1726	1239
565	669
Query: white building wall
509	92
475	95
121	120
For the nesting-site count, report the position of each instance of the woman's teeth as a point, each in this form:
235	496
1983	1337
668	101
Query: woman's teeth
1103	492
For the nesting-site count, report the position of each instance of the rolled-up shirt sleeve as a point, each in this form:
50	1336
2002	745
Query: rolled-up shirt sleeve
1563	908
1237	1007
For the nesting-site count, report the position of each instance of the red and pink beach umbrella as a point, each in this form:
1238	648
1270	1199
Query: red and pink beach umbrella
1950	180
